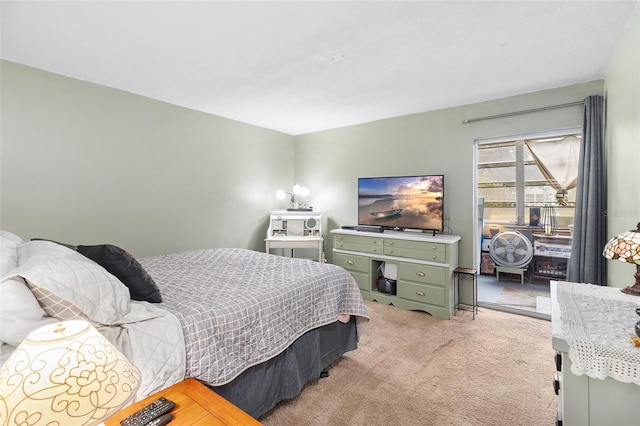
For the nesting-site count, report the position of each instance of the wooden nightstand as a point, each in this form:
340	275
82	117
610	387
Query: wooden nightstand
196	405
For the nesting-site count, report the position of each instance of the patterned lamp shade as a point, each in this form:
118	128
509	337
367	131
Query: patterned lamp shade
65	374
626	248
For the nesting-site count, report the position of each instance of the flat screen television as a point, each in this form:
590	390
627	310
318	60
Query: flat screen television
402	202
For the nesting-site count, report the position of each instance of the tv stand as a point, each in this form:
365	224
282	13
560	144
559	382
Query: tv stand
425	265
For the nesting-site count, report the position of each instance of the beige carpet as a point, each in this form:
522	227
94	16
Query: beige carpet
413	369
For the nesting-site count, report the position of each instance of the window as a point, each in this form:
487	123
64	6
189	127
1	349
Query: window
512	180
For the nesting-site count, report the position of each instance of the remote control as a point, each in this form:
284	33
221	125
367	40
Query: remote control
161	421
148	413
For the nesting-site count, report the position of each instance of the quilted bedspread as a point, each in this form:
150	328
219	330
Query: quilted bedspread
239	308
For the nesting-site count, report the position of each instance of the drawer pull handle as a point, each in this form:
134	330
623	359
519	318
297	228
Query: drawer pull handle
434	248
391	251
558	361
420	293
420	274
390	243
350	262
434	256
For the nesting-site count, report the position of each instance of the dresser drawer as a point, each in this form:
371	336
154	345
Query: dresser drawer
422	273
352	262
358	239
423	293
416	250
374	247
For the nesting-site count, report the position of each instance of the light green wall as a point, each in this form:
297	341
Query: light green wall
330	162
623	144
86	164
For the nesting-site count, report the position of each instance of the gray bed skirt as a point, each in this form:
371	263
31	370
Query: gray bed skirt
258	389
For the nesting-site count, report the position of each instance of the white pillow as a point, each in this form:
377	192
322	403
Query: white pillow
8	252
5	352
69	286
11	237
20	312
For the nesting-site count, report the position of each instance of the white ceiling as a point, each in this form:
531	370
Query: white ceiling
301	66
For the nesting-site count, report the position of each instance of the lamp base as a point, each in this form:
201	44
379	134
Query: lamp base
633	290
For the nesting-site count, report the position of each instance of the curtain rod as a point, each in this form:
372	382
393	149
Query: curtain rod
508	114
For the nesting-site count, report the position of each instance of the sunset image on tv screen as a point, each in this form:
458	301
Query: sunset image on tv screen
402	202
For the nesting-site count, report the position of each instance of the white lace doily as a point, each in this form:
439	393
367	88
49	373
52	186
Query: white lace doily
596	323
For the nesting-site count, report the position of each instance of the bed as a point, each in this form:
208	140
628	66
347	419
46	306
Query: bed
254	327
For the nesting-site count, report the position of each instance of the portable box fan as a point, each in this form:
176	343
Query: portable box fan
511	249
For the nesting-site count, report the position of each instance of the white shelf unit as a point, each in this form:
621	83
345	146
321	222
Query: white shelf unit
291	230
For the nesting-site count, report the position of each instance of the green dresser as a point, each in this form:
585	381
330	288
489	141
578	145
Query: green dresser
423	264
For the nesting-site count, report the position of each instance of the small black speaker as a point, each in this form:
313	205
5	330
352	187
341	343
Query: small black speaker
387	286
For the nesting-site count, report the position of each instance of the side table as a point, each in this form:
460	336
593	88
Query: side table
456	276
196	405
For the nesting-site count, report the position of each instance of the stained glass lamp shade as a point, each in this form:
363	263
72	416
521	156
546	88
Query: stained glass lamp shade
626	248
65	374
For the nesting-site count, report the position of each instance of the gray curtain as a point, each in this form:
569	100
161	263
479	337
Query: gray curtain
587	265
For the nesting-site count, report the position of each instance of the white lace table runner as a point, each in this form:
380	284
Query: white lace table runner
596	323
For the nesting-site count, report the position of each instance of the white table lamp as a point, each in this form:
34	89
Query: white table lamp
297	190
67	374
